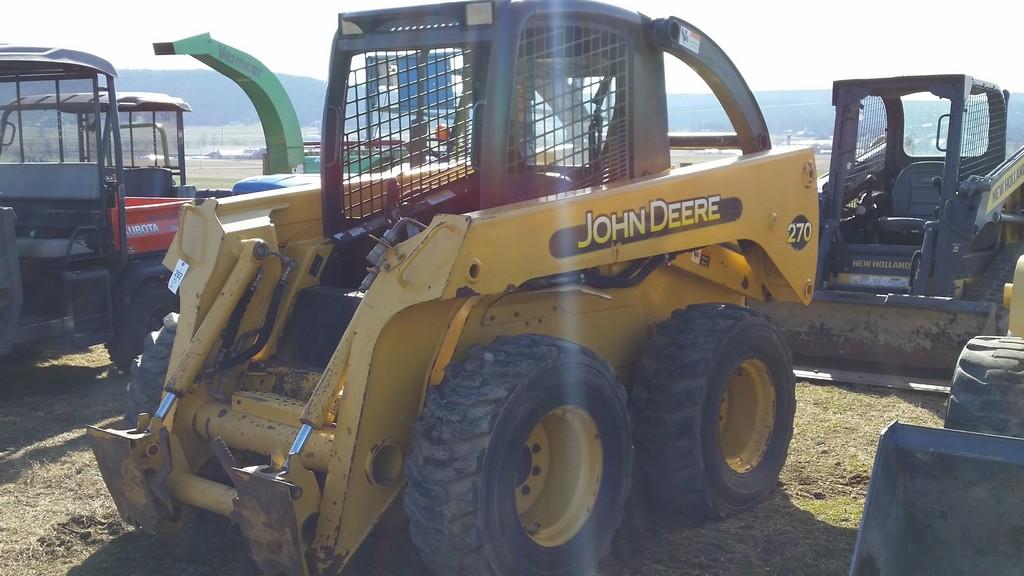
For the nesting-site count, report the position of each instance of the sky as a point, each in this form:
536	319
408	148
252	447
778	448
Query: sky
776	44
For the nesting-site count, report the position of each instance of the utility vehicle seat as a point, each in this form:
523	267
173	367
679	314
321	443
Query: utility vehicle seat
915	198
149	182
50	248
50	181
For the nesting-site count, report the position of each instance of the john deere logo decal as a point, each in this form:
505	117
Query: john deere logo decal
658	218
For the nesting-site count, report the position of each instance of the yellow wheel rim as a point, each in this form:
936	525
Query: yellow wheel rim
747	415
558	475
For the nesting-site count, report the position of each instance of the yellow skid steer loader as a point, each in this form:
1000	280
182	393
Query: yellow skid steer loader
546	301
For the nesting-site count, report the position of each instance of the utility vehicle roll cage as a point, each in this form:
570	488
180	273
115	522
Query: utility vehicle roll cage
137	111
20	64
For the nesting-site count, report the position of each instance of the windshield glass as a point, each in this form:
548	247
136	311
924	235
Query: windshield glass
34	129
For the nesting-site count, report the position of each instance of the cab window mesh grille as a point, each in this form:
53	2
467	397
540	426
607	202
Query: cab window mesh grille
869	155
984	130
408	128
569	128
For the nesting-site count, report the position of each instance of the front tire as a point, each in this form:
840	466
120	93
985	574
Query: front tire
149	370
520	461
712	406
987	391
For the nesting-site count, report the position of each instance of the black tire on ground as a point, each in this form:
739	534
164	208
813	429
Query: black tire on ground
149	370
475	454
987	392
700	451
150	303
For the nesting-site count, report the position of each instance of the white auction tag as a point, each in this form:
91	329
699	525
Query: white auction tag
177	276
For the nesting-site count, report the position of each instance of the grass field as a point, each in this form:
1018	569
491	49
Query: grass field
58	518
222	174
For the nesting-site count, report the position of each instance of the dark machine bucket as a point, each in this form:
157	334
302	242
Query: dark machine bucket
891	334
943	502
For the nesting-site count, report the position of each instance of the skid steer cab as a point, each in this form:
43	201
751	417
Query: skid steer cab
921	216
547	300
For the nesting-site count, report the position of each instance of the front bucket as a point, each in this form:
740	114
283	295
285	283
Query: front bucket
943	502
893	334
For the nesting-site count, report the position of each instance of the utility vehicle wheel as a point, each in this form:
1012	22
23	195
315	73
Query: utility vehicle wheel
149	305
712	406
520	461
987	392
148	371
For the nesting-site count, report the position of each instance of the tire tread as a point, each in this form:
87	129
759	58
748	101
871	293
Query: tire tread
450	441
987	390
666	404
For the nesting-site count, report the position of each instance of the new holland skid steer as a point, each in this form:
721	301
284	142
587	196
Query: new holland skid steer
950	501
920	228
568	297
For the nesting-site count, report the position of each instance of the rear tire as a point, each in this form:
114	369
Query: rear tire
150	303
149	370
520	461
712	404
987	391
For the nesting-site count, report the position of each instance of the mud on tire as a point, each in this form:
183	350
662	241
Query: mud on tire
474	458
987	391
708	373
148	371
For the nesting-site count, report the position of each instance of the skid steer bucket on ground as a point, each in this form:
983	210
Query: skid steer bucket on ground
894	334
943	502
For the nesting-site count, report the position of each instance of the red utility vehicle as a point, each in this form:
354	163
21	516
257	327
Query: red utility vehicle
89	203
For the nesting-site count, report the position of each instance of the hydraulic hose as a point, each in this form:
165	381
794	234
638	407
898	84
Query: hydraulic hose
631	276
268	323
231	331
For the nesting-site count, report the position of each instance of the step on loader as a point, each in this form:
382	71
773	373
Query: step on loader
920	228
547	300
950	501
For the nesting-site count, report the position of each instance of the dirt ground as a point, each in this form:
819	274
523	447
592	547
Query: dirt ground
57	518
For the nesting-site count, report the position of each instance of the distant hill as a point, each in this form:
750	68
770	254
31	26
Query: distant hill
217	101
809	112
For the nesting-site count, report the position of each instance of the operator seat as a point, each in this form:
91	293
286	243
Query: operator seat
915	198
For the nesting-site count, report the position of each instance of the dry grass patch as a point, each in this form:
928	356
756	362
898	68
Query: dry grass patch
58	518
